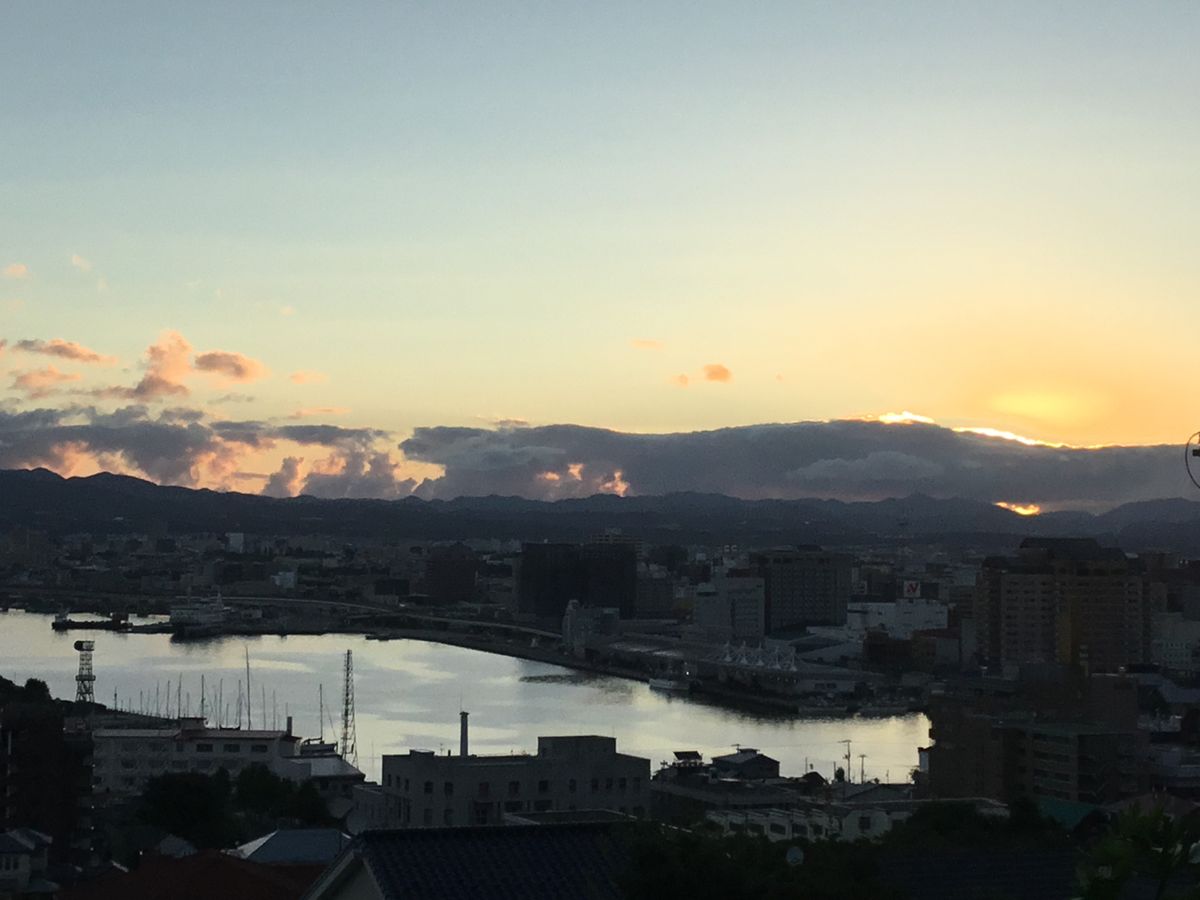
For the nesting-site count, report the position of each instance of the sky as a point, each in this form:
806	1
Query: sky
652	219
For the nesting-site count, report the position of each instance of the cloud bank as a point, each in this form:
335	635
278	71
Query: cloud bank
848	459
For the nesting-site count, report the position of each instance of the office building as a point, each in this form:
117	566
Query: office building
803	586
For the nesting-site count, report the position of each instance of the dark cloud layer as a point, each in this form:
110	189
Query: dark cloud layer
179	446
843	459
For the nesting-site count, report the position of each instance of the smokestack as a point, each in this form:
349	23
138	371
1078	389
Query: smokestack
289	726
462	733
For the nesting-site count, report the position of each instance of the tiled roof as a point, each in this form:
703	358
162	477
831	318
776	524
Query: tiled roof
534	862
315	846
201	877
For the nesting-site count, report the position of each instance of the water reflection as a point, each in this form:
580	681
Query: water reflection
408	694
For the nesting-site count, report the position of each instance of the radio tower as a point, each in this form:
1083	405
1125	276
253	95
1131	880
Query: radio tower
349	748
85	681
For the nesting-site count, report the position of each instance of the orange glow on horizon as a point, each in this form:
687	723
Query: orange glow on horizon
1021	509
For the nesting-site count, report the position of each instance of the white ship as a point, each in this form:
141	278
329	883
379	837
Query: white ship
194	617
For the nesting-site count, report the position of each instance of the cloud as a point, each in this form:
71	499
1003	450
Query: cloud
717	372
16	270
233	398
64	350
358	474
181	445
308	377
3	345
646	344
234	366
847	459
38	383
311	411
167	362
288	481
80	263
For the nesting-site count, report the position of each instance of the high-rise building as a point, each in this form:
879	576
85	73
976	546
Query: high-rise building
1065	600
551	575
803	586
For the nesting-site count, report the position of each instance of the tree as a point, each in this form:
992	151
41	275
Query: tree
36	691
195	807
1151	849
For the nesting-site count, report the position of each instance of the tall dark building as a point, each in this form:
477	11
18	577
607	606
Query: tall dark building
450	574
551	575
803	586
46	778
1066	600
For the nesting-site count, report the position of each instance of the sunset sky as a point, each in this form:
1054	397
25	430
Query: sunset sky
645	217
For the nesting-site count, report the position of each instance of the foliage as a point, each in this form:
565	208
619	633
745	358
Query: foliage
212	811
192	806
1150	849
961	825
669	864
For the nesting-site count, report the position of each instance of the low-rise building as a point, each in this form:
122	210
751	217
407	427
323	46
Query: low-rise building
125	759
566	773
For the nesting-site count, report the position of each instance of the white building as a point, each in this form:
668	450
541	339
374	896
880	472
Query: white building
124	759
899	619
731	609
1175	642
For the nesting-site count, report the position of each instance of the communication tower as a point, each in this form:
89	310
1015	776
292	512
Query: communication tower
349	746
85	680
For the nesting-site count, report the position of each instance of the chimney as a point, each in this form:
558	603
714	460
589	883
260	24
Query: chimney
289	726
462	733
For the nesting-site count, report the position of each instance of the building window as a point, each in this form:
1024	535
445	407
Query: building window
448	789
232	748
543	787
514	789
637	784
429	787
622	783
258	748
204	748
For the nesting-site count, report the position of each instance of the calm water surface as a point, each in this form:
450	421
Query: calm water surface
408	694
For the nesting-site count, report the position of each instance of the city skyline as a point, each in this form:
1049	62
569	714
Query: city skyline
262	251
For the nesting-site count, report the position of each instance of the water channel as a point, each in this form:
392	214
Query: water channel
408	694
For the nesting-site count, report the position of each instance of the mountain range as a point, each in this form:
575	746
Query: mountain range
107	503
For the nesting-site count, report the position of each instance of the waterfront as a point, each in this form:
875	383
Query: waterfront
408	694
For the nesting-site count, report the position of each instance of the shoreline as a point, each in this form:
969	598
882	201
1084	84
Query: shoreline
723	696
